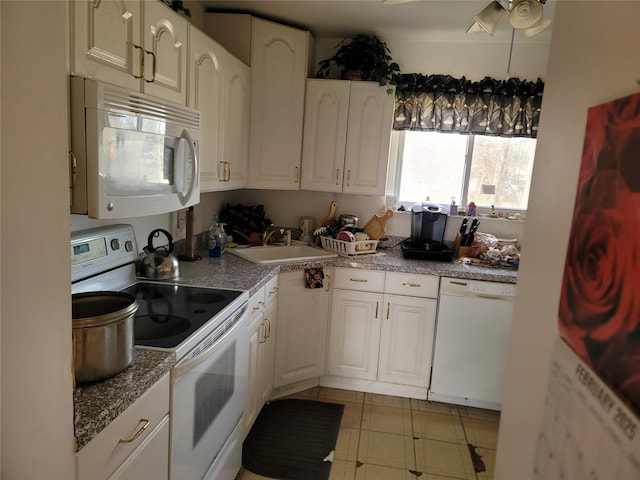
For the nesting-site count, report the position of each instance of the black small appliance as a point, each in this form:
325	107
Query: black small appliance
428	223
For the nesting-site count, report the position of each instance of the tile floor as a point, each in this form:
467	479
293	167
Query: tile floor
394	438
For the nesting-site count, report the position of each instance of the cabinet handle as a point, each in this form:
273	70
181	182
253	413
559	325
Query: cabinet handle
138	433
264	334
361	280
405	284
349	178
227	171
141	62
388	309
74	170
376	310
258	306
327	283
268	332
337	175
153	68
297	174
274	291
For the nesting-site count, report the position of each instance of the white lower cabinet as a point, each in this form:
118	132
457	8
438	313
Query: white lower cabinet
302	331
381	329
135	445
262	323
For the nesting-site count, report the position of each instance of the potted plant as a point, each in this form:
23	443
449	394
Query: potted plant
363	57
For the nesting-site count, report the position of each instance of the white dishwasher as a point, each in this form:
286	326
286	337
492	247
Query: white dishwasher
472	333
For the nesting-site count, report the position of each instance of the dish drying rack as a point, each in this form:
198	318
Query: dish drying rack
346	249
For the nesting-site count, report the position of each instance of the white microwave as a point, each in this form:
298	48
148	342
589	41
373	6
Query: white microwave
132	154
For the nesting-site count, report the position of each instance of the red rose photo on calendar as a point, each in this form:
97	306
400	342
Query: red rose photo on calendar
599	314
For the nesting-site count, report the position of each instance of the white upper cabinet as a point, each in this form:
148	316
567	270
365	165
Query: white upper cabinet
347	131
237	92
368	138
132	44
206	84
325	135
279	63
219	87
165	35
102	39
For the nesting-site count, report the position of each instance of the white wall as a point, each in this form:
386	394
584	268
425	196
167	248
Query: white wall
37	408
594	58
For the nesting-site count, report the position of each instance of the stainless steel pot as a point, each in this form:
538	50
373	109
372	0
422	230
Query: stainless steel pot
346	220
159	263
102	334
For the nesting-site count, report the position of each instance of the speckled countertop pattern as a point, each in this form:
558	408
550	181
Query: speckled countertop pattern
98	404
231	271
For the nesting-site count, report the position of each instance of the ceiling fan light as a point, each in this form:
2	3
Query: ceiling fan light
535	29
489	17
525	13
475	28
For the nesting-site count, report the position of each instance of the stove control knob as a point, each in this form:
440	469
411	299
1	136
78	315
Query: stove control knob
128	246
115	244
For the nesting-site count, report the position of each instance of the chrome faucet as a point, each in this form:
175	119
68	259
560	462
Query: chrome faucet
272	230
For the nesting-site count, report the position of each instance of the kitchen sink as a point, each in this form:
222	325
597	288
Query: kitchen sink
282	253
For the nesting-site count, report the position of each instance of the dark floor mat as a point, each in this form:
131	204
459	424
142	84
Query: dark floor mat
291	438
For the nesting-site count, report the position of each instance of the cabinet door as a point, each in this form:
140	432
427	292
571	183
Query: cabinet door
252	406
103	35
368	138
354	334
302	329
267	352
279	56
325	135
236	121
206	85
406	340
165	35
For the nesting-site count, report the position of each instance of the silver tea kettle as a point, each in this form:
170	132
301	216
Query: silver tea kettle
159	263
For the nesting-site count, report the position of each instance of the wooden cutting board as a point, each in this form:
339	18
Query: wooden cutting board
375	227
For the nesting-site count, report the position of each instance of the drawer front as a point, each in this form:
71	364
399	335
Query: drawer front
105	453
271	290
412	285
358	279
257	302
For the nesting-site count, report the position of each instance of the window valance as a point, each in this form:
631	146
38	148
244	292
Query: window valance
441	103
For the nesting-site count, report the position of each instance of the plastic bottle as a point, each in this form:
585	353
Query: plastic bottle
471	209
453	208
217	238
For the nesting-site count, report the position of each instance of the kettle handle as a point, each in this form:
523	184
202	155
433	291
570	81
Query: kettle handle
156	233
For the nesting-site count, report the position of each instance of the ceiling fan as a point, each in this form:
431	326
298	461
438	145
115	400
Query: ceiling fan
526	16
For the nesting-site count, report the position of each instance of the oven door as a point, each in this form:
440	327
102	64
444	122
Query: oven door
208	397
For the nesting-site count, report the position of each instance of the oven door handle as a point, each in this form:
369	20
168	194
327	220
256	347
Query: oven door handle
185	367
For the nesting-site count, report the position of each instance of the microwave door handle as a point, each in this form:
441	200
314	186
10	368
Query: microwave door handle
184	198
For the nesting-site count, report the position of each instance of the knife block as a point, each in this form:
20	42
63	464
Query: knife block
458	250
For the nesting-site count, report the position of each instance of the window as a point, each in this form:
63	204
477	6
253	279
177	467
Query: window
484	169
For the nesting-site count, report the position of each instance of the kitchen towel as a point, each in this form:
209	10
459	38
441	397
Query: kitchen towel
293	439
313	277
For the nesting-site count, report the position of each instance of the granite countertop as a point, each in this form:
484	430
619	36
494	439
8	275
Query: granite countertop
98	404
231	271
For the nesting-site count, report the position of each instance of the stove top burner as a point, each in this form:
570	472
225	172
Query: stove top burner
154	327
168	314
207	298
151	291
